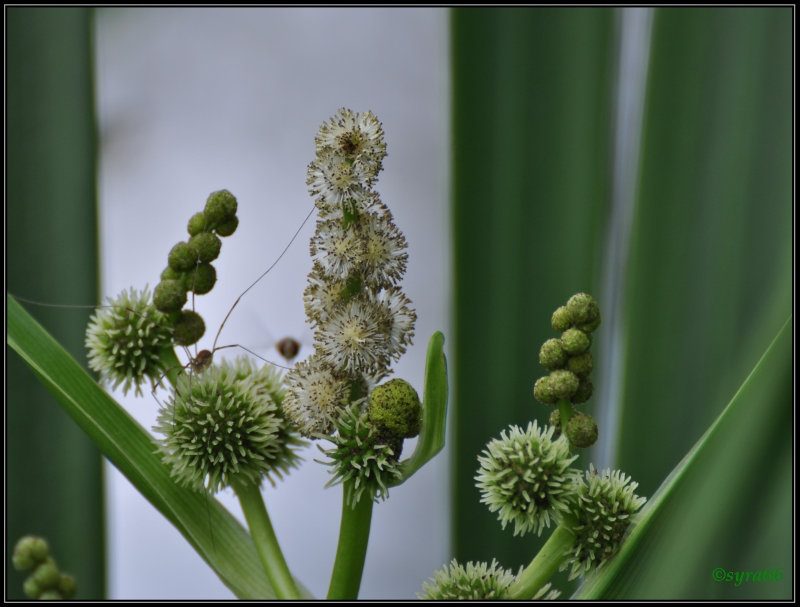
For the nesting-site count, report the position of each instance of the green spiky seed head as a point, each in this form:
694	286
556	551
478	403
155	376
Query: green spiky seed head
46	574
206	246
29	551
201	279
561	320
563	383
581	364
582	430
215	427
67	586
358	456
197	224
543	393
584	391
395	406
182	257
523	476
582	308
552	355
478	581
575	341
31	588
227	228
603	507
189	328
220	207
127	340
169	296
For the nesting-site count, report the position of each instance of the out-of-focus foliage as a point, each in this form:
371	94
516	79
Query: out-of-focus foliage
708	274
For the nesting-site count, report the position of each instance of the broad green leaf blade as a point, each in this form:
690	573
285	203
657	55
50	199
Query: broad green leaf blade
672	549
131	449
54	476
431	437
531	159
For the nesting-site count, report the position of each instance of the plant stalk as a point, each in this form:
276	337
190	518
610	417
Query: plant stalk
255	511
543	566
565	410
352	550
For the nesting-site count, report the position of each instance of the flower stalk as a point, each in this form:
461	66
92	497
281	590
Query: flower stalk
351	553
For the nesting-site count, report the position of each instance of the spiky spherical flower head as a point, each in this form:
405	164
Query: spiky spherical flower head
355	136
603	505
582	430
476	581
215	427
221	207
316	397
169	296
29	551
396	407
552	355
543	393
353	338
383	260
339	250
336	180
575	341
360	455
523	475
127	339
582	308
563	383
268	383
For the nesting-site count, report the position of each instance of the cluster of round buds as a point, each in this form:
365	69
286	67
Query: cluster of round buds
189	266
569	361
127	339
361	318
227	421
32	554
476	581
525	476
603	506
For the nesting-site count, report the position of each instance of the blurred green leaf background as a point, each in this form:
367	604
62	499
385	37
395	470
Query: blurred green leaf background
707	268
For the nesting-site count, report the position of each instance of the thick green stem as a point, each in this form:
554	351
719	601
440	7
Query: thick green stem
264	538
352	550
565	410
174	366
543	566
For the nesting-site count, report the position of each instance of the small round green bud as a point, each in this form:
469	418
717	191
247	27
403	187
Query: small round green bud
31	588
555	421
29	551
395	406
227	228
170	274
582	364
581	308
560	320
552	355
202	279
197	224
582	430
182	257
169	296
563	384
206	246
592	325
67	586
188	329
543	393
50	595
575	341
47	574
220	207
584	392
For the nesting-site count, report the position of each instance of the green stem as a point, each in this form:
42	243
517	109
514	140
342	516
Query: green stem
352	550
173	365
565	410
264	538
543	566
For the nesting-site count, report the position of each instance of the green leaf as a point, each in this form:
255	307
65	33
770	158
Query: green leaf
672	549
230	553
434	424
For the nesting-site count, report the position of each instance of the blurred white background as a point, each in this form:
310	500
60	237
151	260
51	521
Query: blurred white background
196	100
